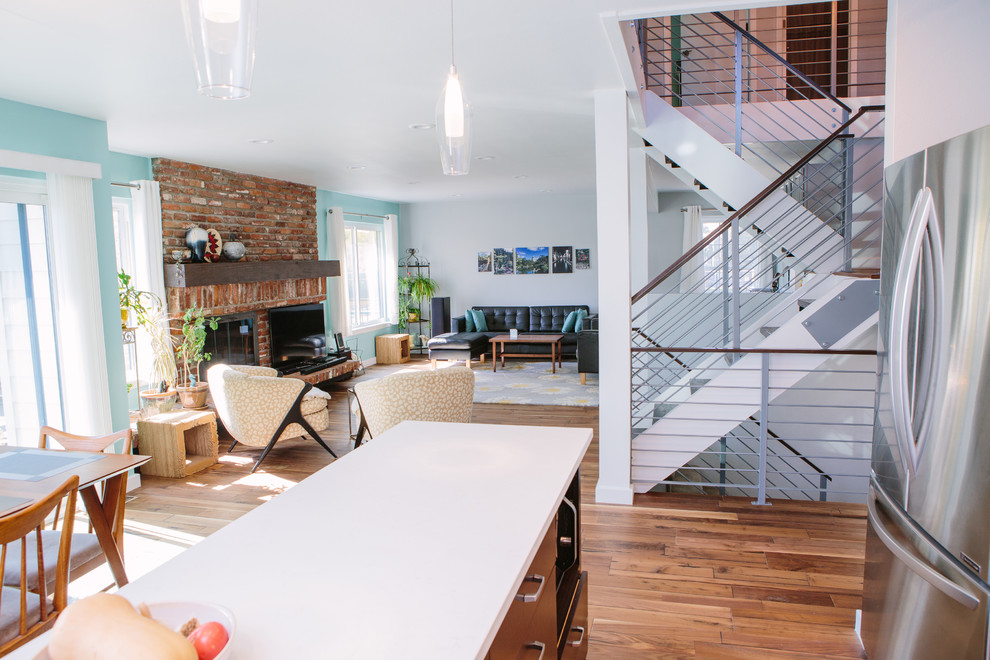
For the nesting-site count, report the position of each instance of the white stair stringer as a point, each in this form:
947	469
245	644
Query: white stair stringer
730	178
731	397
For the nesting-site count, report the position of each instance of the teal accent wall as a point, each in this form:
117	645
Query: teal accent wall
363	342
35	130
125	168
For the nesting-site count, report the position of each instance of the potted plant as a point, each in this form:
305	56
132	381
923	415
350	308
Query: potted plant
133	311
190	351
422	288
164	372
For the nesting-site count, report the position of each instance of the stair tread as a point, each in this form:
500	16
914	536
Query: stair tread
862	273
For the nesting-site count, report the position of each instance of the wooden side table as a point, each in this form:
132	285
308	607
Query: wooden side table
180	442
392	349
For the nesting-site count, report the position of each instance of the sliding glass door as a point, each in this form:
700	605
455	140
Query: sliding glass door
30	394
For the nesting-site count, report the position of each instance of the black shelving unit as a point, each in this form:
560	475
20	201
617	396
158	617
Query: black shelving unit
412	265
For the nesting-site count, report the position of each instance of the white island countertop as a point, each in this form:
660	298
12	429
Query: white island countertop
411	546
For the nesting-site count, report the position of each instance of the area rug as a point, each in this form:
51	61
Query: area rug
532	383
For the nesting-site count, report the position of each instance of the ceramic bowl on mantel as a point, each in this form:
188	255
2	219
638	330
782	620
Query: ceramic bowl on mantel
234	250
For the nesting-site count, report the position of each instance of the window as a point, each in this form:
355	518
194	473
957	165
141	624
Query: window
364	251
755	269
30	395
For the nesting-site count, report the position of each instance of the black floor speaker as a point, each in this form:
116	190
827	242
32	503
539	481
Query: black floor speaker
440	316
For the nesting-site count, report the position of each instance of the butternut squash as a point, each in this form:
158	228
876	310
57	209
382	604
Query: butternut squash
107	627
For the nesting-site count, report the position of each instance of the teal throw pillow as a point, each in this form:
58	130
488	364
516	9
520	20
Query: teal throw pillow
570	321
480	325
468	321
579	324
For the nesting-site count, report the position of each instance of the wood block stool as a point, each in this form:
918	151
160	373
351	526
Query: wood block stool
180	442
392	349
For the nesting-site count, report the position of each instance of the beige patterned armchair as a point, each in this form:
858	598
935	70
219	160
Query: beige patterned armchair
258	408
442	395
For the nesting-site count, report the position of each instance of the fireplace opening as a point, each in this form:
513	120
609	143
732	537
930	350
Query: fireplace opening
235	341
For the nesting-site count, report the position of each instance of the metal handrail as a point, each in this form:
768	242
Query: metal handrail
780	60
751	204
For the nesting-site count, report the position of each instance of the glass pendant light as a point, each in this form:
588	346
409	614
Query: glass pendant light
221	37
454	119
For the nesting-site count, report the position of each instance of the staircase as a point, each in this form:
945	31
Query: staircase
766	304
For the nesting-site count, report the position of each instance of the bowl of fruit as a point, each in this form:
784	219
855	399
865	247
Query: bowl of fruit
108	627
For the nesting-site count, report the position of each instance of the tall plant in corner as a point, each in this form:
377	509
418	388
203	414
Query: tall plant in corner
190	352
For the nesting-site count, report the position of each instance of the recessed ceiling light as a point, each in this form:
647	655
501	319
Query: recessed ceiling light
520	176
457	195
261	141
546	190
357	167
413	183
422	127
485	158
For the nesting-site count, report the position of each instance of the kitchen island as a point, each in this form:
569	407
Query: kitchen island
412	546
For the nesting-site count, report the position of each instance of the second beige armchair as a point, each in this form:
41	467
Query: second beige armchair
258	408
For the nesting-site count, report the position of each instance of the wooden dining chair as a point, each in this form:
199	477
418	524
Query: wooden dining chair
26	612
87	553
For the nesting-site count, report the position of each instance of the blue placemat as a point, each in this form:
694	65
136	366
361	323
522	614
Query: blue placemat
24	464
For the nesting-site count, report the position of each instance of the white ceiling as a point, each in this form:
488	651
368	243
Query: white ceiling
336	85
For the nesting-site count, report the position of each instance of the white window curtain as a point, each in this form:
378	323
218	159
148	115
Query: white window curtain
692	272
340	317
392	268
146	221
78	307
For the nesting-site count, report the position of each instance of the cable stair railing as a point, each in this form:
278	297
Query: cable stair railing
811	485
736	284
737	88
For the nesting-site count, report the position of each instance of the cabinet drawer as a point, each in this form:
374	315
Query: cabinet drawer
575	633
532	617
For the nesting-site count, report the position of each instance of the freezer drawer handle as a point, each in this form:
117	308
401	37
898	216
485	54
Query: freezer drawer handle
923	570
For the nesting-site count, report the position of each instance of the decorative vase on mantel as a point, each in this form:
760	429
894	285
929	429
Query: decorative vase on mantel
233	249
196	240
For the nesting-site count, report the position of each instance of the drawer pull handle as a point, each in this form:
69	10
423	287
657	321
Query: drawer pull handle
532	598
580	639
537	645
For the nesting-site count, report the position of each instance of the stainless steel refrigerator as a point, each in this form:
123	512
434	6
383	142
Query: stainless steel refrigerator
928	538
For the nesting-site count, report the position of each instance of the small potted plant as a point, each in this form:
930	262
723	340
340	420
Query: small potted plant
133	311
190	351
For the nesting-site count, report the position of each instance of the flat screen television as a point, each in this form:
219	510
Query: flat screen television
298	333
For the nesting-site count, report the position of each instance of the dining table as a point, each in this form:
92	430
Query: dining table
28	474
413	546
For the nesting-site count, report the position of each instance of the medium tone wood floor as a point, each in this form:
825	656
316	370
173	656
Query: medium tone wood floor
674	576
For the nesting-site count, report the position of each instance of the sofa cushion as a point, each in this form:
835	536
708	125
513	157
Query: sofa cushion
550	318
469	321
579	321
501	319
480	324
458	341
569	322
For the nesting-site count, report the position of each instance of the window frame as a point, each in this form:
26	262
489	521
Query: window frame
352	257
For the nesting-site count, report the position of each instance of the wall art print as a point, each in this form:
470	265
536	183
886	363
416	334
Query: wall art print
502	261
562	259
582	259
532	260
485	261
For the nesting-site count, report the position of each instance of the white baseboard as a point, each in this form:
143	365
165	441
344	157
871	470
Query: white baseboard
133	481
605	494
370	362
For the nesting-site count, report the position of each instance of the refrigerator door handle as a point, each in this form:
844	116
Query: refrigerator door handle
922	221
919	567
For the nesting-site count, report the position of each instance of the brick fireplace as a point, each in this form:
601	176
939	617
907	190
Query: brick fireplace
276	221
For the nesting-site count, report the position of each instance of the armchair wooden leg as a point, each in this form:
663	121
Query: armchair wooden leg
583	376
231	447
316	436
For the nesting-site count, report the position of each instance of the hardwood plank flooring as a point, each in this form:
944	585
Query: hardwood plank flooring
673	576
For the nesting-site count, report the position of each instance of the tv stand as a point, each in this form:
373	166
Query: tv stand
340	371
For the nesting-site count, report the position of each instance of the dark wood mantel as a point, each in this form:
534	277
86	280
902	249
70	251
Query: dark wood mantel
206	274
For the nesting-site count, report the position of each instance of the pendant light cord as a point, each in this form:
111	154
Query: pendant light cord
451	32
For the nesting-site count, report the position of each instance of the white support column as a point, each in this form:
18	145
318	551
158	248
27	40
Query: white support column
639	257
614	292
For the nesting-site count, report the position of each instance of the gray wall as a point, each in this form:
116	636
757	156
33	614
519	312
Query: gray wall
450	235
667	229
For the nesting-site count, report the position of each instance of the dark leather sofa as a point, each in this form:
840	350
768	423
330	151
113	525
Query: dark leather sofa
535	319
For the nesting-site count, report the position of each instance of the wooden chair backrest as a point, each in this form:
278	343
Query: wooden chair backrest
16	528
71	442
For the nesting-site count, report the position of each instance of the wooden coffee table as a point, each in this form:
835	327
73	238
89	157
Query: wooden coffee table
554	341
